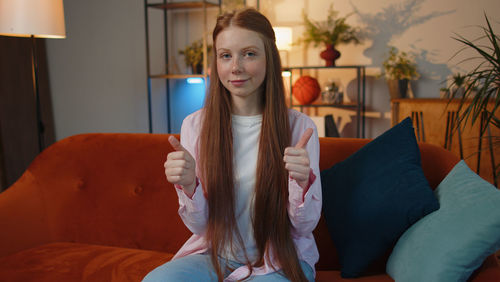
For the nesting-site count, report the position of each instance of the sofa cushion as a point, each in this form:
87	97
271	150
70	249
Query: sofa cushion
449	244
79	262
373	196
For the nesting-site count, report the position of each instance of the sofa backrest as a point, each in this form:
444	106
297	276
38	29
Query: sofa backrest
107	189
111	189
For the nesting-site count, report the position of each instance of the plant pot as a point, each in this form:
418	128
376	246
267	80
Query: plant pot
330	55
332	97
399	88
197	68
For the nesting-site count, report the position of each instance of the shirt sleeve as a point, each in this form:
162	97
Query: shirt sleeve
304	207
192	210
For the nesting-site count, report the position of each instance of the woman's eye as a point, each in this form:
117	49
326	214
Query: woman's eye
250	54
225	56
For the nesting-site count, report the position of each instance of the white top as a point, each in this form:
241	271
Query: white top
246	134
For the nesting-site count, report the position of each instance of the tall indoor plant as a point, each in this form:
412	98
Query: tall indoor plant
332	32
481	97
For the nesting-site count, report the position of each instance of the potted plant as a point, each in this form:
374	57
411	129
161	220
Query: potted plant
481	96
332	93
457	87
193	56
332	32
399	69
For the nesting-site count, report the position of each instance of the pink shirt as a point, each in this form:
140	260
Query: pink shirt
304	207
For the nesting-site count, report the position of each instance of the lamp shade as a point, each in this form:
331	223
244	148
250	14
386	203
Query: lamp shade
283	38
40	18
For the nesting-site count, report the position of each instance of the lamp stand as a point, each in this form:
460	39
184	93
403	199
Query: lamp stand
36	90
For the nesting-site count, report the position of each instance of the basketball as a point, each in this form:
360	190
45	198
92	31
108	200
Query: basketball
306	89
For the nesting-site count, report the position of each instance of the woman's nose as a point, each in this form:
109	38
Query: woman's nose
236	67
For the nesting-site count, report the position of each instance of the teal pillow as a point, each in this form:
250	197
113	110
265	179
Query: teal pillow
373	196
450	243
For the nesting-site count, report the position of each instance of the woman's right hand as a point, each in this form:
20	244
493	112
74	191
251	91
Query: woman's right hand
180	167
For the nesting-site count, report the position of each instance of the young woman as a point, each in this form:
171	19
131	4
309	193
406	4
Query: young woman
246	170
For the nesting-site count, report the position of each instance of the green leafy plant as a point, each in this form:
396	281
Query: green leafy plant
459	80
399	65
457	88
482	84
333	31
193	54
332	86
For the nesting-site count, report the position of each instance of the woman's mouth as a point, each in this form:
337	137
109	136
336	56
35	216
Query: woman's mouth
238	83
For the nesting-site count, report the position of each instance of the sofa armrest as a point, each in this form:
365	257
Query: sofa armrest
22	217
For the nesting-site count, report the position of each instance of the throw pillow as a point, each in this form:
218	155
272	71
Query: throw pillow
449	244
373	196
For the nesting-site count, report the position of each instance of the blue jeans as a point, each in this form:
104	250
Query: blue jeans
198	267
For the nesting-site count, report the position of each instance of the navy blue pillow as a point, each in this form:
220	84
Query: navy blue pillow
373	196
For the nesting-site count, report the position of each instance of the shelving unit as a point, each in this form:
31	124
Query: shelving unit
166	6
358	106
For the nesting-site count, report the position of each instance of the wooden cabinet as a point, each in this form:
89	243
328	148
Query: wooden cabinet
434	122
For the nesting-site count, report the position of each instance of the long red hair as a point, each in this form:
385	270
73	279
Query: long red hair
270	220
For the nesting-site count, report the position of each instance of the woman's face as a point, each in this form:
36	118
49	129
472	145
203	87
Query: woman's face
241	63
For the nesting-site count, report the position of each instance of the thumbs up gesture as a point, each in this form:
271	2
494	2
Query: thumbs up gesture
297	160
180	167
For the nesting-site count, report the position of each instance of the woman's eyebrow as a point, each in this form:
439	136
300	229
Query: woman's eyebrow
244	48
250	47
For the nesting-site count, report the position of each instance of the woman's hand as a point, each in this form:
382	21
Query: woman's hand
180	167
297	160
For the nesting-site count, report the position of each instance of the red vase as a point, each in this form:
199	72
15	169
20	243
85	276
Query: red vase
330	55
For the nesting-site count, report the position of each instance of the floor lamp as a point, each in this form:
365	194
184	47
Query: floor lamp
35	19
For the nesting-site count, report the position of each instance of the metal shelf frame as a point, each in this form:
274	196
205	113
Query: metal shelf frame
166	6
359	106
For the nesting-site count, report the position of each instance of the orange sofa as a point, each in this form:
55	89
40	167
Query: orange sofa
97	207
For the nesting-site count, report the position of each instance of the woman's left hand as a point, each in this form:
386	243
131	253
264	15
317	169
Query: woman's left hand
297	160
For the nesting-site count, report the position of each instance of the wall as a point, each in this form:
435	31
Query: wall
422	27
98	74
